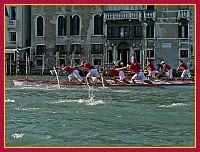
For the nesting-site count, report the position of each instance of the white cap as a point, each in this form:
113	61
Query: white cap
162	62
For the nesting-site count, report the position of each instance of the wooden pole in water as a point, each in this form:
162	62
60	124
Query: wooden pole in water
26	63
10	63
43	64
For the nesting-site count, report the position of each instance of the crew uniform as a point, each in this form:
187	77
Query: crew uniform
137	71
167	69
151	70
73	73
184	68
92	70
115	72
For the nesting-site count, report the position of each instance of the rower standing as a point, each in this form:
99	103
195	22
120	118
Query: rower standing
184	68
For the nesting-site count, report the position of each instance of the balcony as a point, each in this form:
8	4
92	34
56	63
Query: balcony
183	14
150	15
12	24
122	15
11	44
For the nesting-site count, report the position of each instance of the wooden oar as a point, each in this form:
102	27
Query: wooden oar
57	77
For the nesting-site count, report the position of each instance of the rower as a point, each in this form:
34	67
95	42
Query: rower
72	72
136	69
167	69
184	68
151	69
117	73
92	71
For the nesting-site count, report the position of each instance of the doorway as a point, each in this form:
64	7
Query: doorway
123	53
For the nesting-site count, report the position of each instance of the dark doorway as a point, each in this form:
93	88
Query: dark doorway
123	56
123	53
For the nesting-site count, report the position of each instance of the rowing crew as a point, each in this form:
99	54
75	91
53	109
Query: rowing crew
116	73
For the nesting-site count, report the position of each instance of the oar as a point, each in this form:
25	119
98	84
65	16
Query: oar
57	77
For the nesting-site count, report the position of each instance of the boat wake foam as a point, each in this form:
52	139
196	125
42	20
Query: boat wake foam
91	102
172	105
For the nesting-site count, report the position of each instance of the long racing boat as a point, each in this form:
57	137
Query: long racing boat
157	82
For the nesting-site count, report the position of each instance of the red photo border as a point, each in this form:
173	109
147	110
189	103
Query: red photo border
145	149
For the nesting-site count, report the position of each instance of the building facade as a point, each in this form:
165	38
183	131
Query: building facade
17	38
109	34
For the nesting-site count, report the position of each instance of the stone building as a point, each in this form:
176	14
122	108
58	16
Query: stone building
105	34
17	38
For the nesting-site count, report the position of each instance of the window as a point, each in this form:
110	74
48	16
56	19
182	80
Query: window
13	13
97	61
40	26
184	54
75	25
39	62
150	7
98	25
150	54
96	49
136	31
109	56
124	31
60	49
12	36
75	48
183	31
110	32
62	26
40	49
150	31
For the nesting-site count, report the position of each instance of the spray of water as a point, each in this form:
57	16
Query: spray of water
91	93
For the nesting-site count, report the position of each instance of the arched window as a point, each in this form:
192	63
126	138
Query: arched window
62	26
98	25
40	25
75	25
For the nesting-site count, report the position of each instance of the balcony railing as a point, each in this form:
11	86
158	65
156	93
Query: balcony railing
12	23
183	14
149	14
11	44
121	15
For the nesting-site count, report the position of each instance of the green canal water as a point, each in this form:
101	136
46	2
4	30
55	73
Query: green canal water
100	116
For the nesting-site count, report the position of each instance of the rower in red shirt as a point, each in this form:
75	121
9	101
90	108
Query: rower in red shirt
92	71
136	69
167	69
72	72
151	69
117	73
184	68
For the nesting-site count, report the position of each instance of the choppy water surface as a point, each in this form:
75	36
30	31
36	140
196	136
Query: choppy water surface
110	116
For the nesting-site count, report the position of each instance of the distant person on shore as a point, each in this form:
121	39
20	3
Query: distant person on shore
184	68
167	69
